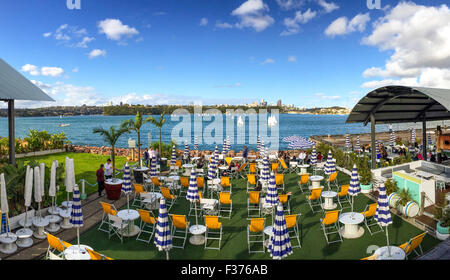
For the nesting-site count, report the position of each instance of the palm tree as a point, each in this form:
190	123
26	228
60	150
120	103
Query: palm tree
159	124
111	136
136	126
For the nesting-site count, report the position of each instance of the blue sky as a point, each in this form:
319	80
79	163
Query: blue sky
305	52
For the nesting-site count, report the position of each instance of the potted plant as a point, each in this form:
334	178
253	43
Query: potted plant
406	205
442	214
391	186
365	179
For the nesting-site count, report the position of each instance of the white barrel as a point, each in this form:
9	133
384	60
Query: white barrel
411	209
393	199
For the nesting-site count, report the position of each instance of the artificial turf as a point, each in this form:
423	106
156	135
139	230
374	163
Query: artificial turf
234	240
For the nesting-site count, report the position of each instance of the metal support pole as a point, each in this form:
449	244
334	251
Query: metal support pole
372	138
424	139
12	137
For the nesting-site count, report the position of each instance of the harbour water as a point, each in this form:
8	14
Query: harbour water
79	129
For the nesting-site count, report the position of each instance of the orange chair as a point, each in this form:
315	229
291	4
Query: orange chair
178	163
315	199
213	231
275	167
292	227
170	198
201	182
147	225
279	181
225	203
255	230
139	191
369	217
179	225
304	182
332	179
343	196
107	209
370	258
253	202
225	182
55	244
284	199
228	160
251	182
253	169
96	256
284	165
413	244
330	225
184	182
156	182
240	171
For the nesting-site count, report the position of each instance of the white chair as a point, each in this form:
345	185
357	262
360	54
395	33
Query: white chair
116	227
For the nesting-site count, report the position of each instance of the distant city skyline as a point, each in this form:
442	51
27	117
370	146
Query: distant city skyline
309	53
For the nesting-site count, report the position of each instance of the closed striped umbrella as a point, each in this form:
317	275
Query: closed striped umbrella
258	144
392	139
358	145
186	150
383	213
279	242
224	147
126	184
76	217
313	160
329	164
4	205
262	150
272	192
228	144
265	175
213	165
163	237
347	141
195	143
192	192
413	136
429	139
355	187
153	167
173	160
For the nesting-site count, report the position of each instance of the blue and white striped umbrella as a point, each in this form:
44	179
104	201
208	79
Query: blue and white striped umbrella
383	213
173	160
329	164
126	184
192	192
290	139
377	150
258	144
301	144
272	192
279	242
392	139
347	141
265	176
153	167
163	237
224	147
186	150
213	165
413	136
355	187
195	143
313	160
262	150
358	145
429	139
76	217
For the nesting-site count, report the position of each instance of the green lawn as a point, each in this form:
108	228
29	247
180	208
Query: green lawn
234	242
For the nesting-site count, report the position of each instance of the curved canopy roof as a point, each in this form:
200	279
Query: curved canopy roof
14	86
397	104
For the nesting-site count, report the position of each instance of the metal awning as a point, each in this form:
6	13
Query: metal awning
400	104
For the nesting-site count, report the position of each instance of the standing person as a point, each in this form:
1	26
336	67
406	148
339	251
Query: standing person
108	169
146	157
245	153
157	156
100	180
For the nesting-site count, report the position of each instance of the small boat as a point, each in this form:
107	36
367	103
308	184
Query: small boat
63	125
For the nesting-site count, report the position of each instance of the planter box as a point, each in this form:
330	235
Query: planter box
41	153
366	188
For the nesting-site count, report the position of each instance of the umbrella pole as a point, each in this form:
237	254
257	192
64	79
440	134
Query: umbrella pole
196	218
26	216
167	254
387	239
78	237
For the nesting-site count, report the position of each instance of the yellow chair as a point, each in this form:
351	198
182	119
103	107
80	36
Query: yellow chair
147	225
284	199
370	258
225	182
275	167
251	182
240	171
413	244
179	225
332	179
369	217
292	227
178	164
315	199
213	231
330	225
156	182
255	230
253	203
343	195
284	165
228	160
225	203
56	245
107	209
279	181
304	182
139	191
96	256
253	169
184	182
170	198
201	182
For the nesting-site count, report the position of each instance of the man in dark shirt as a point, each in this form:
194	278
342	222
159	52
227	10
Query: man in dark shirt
100	180
146	157
245	153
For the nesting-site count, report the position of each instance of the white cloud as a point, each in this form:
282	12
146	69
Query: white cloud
223	25
75	70
252	14
292	24
69	35
97	52
43	86
327	97
417	40
114	29
84	42
51	71
290	4
342	25
268	61
48	34
328	7
292	58
31	69
203	22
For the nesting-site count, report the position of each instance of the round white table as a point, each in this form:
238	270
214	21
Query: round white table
129	215
187	166
316	181
303	168
8	245
54	210
65	214
351	221
267	209
197	232
53	221
76	252
328	200
68	203
28	223
40	223
24	238
397	253
238	158
152	201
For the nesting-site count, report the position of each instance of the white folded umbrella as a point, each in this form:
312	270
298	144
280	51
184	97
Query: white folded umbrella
37	184
52	187
28	186
4	205
42	184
